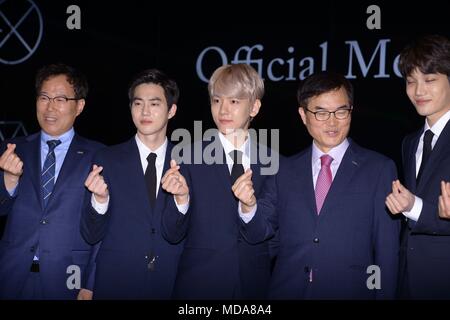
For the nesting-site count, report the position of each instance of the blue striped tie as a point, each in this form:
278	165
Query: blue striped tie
48	171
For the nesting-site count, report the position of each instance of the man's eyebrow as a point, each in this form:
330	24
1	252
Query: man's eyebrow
323	109
344	106
152	99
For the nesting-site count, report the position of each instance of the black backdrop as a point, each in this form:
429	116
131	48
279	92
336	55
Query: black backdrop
118	39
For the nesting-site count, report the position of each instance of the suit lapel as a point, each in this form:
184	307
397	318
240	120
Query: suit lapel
410	163
349	165
304	181
440	151
221	169
162	194
72	160
255	166
32	160
132	168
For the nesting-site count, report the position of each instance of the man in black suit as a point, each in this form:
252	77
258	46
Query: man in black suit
425	243
124	210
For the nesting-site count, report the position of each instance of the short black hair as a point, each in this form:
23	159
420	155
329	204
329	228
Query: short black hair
323	82
74	77
429	53
155	76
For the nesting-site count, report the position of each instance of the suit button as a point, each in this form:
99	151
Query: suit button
316	240
411	248
153	230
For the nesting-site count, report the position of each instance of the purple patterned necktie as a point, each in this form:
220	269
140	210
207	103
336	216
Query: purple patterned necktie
323	181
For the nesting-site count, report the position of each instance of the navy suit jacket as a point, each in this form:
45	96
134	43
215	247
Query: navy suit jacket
130	231
425	248
217	263
353	231
55	228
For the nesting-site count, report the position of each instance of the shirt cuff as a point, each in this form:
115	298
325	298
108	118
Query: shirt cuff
414	213
247	217
101	208
183	208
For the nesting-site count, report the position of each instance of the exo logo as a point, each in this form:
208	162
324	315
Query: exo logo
21	27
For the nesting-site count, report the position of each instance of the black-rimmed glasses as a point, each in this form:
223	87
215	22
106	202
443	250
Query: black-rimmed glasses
43	98
340	114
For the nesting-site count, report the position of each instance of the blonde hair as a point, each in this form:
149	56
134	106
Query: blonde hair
236	80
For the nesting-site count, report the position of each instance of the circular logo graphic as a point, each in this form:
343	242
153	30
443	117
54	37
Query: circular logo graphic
21	27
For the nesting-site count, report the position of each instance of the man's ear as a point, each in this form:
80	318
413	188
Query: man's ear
302	113
255	108
80	106
172	111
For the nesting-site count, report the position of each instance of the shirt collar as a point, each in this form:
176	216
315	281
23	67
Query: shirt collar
337	153
439	126
65	138
144	151
228	146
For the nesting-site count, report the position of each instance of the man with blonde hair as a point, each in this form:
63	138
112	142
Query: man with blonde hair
217	262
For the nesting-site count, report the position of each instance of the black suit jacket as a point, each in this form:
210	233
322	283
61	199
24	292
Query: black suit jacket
425	245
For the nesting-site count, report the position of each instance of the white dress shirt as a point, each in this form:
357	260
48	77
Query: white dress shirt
144	151
337	153
437	128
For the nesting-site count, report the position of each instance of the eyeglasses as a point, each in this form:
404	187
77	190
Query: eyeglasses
43	98
340	114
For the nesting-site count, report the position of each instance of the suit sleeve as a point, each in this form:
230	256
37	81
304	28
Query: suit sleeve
263	226
175	224
93	226
386	233
429	221
89	278
6	201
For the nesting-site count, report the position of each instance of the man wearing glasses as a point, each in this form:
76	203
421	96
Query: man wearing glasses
41	190
337	240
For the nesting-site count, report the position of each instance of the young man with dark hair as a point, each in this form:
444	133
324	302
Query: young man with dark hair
425	244
124	211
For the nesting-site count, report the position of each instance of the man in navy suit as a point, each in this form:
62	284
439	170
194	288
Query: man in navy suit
42	191
337	239
425	244
217	262
124	210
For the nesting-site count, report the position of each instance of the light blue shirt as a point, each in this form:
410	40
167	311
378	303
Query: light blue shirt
60	150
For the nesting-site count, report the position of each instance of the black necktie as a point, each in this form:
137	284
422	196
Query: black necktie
427	138
150	178
238	168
